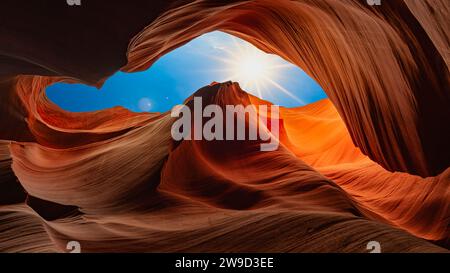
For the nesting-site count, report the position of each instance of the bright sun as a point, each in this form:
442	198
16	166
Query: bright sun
256	71
252	68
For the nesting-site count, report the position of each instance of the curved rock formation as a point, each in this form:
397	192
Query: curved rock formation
347	171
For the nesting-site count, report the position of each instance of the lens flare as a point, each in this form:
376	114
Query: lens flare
256	71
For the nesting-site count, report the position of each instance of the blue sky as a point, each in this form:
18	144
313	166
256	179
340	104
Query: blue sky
181	72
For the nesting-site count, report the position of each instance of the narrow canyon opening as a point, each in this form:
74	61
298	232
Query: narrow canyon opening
211	57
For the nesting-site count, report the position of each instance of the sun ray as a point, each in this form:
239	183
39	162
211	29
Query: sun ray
278	66
256	71
218	70
238	46
258	90
224	60
226	50
268	91
229	78
285	91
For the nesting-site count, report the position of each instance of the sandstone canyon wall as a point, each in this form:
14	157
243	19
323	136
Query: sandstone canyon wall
372	162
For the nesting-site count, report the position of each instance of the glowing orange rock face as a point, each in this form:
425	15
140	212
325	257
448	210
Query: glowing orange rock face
115	181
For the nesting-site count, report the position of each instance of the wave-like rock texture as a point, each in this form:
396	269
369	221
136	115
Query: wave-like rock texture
140	191
370	163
